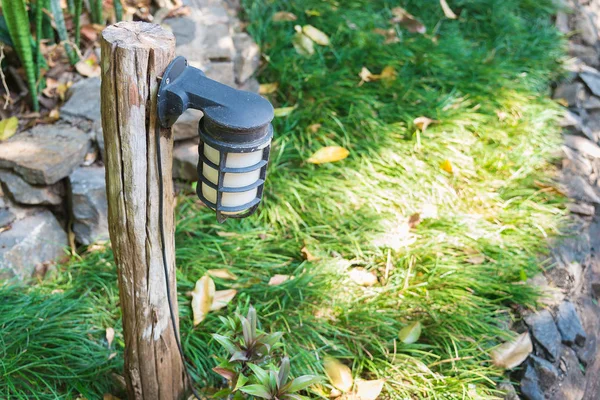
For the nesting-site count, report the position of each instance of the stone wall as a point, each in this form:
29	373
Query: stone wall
52	176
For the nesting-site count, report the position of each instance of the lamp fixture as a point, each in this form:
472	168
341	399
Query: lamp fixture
235	137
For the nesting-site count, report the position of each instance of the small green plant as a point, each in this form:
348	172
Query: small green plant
250	366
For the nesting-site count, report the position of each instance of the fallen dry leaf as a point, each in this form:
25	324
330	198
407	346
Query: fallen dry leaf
268	88
476	259
314	128
51	85
362	277
512	353
8	127
447	10
368	390
202	298
410	333
414	220
339	374
387	74
222	273
87	70
222	298
446	165
62	88
390	35
284	16
108	396
328	154
284	111
423	122
110	335
303	44
278	279
317	36
407	20
307	254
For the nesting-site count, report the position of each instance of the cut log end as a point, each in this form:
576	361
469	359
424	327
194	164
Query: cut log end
130	35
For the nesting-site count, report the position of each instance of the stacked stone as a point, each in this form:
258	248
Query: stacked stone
52	176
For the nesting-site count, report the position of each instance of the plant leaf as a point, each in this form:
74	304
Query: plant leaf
222	298
202	298
278	279
362	277
447	10
303	382
225	373
283	111
512	353
222	273
423	122
328	154
303	44
307	254
284	371
110	335
8	127
261	374
85	69
446	165
241	381
226	343
317	36
284	16
407	20
339	374
369	390
268	88
387	74
257	390
410	333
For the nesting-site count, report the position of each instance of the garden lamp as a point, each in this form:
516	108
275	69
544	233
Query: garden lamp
235	137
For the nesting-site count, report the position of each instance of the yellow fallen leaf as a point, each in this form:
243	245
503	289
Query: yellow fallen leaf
307	254
512	353
84	68
317	36
8	127
268	88
202	298
284	16
108	396
284	111
222	273
62	88
339	374
110	335
446	165
314	128
447	10
423	122
410	333
390	35
222	298
387	74
278	279
414	220
368	390
303	44
328	154
407	20
362	277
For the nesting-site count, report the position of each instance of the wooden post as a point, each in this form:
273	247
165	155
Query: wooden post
134	56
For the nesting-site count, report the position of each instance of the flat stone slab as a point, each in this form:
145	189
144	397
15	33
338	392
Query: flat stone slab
24	193
544	331
89	204
45	154
569	324
186	126
33	240
84	100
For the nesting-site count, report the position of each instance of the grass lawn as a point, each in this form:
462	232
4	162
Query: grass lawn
484	78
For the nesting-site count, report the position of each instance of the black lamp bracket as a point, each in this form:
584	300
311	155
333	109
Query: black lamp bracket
230	115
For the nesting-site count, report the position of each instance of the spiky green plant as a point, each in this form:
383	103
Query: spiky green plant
61	28
17	21
118	10
96	11
77	18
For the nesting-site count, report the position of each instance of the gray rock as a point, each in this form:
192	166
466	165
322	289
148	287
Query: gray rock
582	209
570	119
575	162
31	241
582	145
550	295
585	27
247	59
572	92
562	22
84	100
509	392
573	383
579	188
24	193
218	44
569	325
587	54
546	372
543	329
186	126
530	386
99	136
590	319
592	80
251	85
221	72
591	103
185	160
89	204
45	154
6	217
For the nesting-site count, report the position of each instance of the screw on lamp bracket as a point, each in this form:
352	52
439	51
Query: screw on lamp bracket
235	136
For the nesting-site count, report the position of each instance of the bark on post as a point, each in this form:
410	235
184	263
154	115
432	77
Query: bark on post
134	56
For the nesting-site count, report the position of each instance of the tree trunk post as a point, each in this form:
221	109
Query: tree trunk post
134	56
